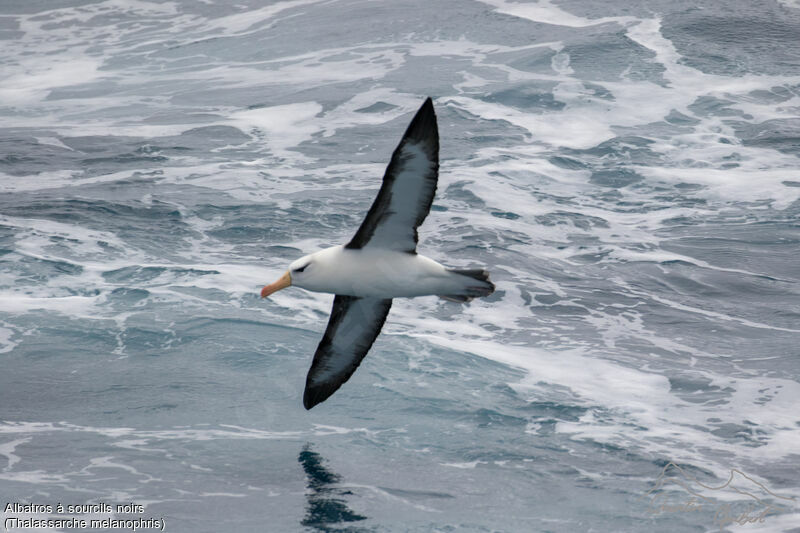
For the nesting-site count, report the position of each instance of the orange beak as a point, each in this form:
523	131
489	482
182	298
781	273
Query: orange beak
282	283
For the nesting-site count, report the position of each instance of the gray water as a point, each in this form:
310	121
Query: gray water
627	172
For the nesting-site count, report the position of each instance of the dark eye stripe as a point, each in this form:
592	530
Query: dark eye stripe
301	268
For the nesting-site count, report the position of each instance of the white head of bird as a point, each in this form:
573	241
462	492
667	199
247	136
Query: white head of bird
299	271
334	270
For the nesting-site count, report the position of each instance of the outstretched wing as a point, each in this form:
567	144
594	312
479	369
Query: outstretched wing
354	324
409	185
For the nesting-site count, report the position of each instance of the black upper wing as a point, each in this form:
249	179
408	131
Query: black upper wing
409	186
353	326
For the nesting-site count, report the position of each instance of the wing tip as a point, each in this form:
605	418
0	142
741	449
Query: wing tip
310	400
423	126
316	394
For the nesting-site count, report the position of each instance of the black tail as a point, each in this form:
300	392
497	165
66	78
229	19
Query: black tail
471	289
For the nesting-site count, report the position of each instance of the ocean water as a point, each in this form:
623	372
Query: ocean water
628	172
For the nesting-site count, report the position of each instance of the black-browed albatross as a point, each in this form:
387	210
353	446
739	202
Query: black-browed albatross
380	263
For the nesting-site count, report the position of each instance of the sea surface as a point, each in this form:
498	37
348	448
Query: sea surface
629	172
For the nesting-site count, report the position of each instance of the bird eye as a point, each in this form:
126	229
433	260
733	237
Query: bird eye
301	268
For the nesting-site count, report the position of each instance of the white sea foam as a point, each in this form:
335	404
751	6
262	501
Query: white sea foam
284	126
7	334
32	79
40	227
53	141
469	465
125	433
588	120
7	451
255	18
664	424
545	12
345	115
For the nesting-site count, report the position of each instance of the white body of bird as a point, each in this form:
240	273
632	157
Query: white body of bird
375	273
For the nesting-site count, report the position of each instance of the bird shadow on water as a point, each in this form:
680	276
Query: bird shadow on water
326	508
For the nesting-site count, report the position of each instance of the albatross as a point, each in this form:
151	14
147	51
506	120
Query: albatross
380	263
